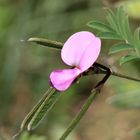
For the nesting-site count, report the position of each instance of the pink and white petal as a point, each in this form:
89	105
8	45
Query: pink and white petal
90	54
62	79
74	48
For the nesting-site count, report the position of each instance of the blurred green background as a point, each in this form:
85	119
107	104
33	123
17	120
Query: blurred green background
25	69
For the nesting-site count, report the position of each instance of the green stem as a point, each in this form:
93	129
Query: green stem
124	76
79	116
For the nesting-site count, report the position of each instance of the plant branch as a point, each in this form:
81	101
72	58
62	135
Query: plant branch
81	113
59	45
124	76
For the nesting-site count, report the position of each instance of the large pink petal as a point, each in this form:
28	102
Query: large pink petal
90	54
62	79
81	50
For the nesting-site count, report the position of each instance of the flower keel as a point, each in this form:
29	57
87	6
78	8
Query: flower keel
62	79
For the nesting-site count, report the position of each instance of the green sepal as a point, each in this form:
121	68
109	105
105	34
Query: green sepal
46	43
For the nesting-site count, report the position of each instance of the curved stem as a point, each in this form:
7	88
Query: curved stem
79	116
101	69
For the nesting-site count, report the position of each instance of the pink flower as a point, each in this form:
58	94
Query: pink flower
80	51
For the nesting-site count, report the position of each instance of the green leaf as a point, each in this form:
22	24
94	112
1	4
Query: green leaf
120	19
120	24
123	25
126	100
46	42
111	18
43	109
99	26
137	39
109	35
129	58
32	112
40	109
127	30
120	47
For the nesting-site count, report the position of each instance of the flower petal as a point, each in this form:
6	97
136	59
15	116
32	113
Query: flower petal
81	50
90	54
62	79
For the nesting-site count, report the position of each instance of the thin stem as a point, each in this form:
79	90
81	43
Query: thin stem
107	74
124	76
79	116
101	69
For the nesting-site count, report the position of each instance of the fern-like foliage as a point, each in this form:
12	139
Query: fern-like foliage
118	28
